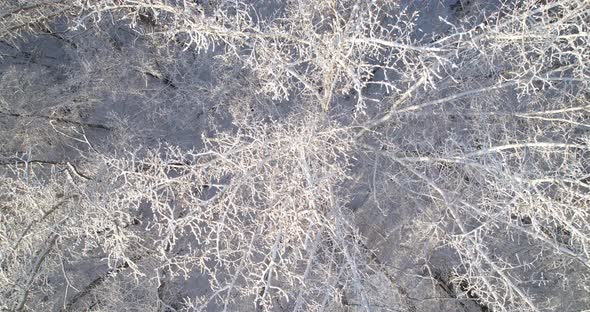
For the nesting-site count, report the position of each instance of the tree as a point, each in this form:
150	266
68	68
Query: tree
349	158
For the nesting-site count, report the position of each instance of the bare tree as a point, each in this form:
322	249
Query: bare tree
322	120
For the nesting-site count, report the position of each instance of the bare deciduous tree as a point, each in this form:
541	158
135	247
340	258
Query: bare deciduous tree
349	158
